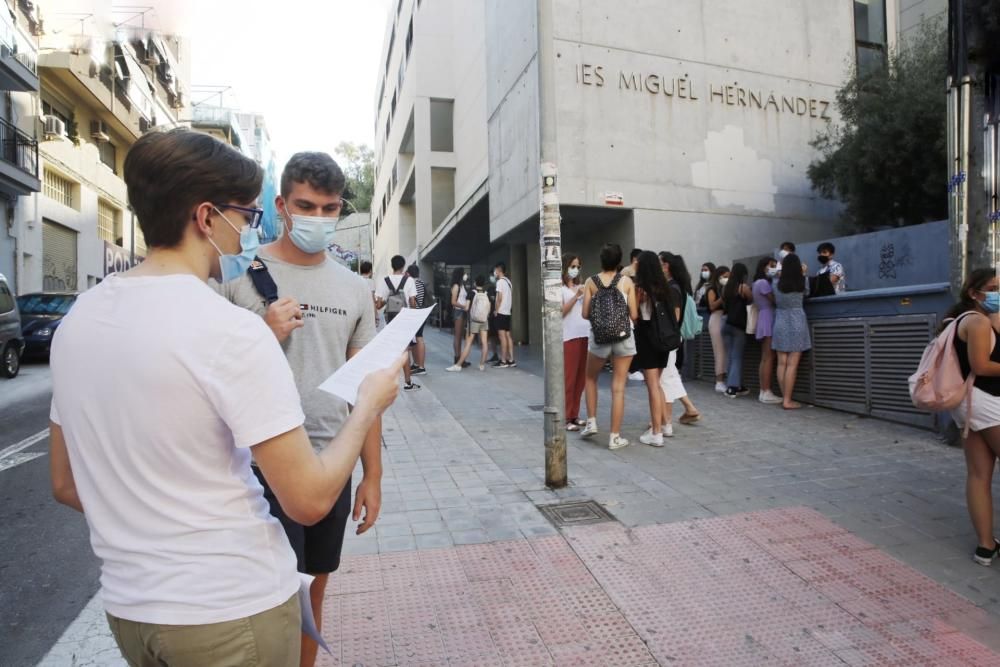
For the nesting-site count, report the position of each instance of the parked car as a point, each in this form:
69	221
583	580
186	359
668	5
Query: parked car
11	341
41	314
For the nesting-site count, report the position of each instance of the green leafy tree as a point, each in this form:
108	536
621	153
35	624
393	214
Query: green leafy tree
887	159
359	167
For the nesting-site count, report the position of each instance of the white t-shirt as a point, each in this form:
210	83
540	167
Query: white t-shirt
574	326
504	293
409	289
161	387
463	297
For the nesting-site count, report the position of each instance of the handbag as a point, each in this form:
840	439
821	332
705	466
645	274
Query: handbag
752	315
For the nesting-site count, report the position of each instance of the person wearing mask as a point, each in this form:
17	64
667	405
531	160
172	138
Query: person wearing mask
977	344
763	299
479	309
790	334
652	292
575	330
679	281
502	316
605	311
459	309
707	269
830	269
713	300
736	296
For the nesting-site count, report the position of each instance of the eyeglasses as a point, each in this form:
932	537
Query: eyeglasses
253	216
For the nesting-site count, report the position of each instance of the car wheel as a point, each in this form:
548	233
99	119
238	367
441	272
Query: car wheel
10	363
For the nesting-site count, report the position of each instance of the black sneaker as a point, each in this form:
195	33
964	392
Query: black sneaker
985	556
511	364
466	364
418	370
413	367
411	387
742	391
493	360
499	364
732	392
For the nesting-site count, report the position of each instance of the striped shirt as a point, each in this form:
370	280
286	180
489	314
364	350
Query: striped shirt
421	292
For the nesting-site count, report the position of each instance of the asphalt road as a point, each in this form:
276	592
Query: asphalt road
47	569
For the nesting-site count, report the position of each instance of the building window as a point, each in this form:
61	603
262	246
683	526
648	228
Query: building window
49	110
870	35
442	122
109	222
109	155
57	188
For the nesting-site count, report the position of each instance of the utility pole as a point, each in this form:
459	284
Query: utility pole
551	256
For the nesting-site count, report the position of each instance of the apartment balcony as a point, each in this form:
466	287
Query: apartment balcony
18	70
220	121
18	161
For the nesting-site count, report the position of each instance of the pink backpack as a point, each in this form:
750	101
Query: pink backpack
938	385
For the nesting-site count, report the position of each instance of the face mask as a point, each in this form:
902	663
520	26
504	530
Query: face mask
573	272
493	278
823	259
783	254
311	234
991	304
465	277
772	271
723	281
705	275
234	266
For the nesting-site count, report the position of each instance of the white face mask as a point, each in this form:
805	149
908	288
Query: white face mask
723	281
783	254
465	277
772	271
705	275
573	272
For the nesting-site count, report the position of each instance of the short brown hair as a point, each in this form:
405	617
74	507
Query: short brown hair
169	173
317	169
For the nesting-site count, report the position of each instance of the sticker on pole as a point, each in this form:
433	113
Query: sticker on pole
552	253
614	199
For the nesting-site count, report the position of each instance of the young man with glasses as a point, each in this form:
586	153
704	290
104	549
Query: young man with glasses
322	317
157	452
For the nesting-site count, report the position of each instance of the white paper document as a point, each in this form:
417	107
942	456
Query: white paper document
381	352
305	606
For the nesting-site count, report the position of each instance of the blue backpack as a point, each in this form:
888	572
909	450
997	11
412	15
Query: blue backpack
692	323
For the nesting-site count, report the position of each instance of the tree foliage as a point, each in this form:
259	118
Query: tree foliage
887	159
359	167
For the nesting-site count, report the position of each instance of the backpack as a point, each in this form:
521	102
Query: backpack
480	309
664	333
938	384
691	323
396	301
609	316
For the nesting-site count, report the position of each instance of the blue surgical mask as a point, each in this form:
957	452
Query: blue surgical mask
991	304
573	271
234	266
312	234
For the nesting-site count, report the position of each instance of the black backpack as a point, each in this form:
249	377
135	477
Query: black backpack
664	331
609	316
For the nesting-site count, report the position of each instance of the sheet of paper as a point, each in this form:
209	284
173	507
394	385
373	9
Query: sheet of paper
380	353
308	620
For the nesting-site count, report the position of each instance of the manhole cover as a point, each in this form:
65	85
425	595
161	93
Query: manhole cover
575	513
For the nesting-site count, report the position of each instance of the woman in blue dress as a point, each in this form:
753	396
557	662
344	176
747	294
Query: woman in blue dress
790	337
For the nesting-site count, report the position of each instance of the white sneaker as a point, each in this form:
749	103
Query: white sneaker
648	438
768	397
590	429
721	387
636	377
617	442
667	430
457	368
482	367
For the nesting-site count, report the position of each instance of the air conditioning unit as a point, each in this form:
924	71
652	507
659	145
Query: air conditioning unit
99	131
54	127
178	102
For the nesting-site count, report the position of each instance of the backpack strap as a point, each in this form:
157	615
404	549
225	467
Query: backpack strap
402	281
262	281
392	290
614	281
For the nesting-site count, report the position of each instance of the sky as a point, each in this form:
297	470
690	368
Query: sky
310	66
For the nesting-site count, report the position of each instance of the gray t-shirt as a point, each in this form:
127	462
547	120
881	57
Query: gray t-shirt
338	316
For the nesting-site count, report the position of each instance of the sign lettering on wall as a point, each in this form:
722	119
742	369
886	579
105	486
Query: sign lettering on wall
684	88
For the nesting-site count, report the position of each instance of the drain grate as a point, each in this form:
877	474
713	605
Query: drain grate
575	513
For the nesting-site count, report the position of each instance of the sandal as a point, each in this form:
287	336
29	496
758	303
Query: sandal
572	426
689	419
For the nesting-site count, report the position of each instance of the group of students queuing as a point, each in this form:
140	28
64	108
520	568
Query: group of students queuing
769	306
476	315
632	317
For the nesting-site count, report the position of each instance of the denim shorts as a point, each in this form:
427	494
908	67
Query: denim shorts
622	348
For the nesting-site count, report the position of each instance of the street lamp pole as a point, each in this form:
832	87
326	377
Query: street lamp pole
551	256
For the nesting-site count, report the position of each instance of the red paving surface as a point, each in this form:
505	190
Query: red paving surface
781	587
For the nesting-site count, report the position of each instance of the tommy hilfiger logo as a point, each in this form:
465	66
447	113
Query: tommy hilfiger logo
321	310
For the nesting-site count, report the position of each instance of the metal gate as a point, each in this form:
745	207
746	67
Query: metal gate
858	365
59	257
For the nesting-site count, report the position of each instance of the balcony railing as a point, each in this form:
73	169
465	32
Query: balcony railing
18	149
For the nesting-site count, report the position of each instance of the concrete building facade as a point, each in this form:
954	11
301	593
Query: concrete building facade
683	126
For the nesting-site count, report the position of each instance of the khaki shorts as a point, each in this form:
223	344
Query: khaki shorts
271	638
623	348
478	327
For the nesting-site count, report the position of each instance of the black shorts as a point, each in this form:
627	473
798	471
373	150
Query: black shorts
503	322
318	547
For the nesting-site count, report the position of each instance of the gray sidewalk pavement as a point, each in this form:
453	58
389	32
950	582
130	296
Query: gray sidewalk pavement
464	464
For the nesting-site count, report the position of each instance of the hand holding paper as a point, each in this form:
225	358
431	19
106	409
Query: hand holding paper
382	352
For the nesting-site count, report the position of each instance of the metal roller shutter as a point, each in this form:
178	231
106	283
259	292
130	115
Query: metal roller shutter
59	257
895	345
